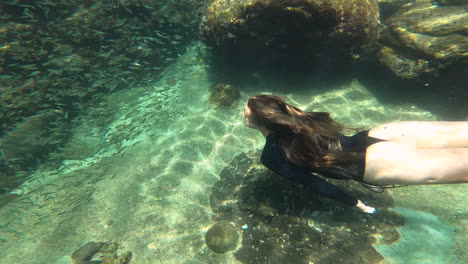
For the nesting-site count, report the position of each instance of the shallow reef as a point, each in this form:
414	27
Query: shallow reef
280	222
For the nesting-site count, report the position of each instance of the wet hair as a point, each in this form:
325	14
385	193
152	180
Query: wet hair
308	139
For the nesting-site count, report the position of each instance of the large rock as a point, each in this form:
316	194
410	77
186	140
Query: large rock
281	222
290	32
389	7
450	2
101	252
424	39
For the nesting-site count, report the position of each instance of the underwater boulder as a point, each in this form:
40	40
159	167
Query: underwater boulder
424	39
224	95
221	237
84	254
269	33
281	222
101	252
449	2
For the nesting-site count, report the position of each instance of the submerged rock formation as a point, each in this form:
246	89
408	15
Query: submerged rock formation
285	33
280	222
389	7
221	237
101	252
224	95
424	39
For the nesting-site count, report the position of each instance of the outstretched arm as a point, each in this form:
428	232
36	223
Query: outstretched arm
294	173
315	183
365	208
274	159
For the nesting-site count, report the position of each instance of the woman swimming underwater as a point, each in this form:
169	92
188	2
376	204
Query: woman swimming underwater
300	143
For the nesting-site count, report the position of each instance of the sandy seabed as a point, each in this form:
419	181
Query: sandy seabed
148	183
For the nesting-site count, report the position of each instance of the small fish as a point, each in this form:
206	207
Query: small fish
178	37
29	66
119	23
161	35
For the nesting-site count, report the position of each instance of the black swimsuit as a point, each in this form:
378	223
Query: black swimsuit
358	143
274	159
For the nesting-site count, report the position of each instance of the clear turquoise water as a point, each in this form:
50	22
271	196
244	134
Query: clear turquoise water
145	180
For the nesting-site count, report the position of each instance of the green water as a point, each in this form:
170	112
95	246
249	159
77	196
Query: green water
112	150
145	181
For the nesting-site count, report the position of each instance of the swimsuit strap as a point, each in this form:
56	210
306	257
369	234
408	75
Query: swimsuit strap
378	188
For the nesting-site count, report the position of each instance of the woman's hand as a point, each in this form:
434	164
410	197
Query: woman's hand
365	208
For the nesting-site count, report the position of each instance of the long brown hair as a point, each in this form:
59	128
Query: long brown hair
310	139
